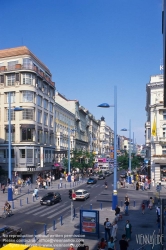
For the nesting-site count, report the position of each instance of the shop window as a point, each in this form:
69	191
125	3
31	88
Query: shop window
27	134
163	173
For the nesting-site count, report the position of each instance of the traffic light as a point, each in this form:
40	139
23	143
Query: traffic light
70	193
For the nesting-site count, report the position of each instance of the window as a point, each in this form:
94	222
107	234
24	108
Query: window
163	173
51	121
40	136
12	135
27	63
27	96
27	134
22	153
45	119
12	112
39	100
45	104
39	116
11	79
2	153
51	92
27	114
12	97
51	107
45	89
28	79
11	65
45	137
1	78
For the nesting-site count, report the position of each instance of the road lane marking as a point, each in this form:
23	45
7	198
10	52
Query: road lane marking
34	210
49	210
62	210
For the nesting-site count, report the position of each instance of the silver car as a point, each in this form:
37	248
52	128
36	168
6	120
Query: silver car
81	194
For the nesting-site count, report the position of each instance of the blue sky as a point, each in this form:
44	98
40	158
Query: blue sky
90	46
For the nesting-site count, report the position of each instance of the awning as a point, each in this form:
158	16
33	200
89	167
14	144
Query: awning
160	161
27	125
57	165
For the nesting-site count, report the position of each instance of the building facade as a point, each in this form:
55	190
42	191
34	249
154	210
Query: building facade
30	85
155	129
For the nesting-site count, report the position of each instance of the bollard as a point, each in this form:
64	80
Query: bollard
54	225
12	204
90	206
134	203
20	203
33	198
35	233
101	206
27	200
74	212
121	204
61	220
45	229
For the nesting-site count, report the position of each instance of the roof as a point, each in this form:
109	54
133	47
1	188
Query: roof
23	50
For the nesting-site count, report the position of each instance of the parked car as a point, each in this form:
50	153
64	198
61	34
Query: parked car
101	177
123	175
107	173
50	199
81	194
91	181
8	234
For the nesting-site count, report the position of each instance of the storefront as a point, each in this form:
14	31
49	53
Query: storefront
163	173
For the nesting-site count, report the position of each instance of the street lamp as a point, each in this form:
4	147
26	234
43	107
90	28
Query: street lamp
105	105
124	129
69	173
10	193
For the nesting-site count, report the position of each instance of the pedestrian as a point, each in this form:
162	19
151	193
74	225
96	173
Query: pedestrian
117	212
102	244
158	212
151	201
111	244
71	247
107	226
35	192
3	188
114	230
128	231
44	184
82	246
126	207
61	182
123	243
137	186
143	208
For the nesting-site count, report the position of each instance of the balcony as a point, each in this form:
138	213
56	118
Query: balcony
162	140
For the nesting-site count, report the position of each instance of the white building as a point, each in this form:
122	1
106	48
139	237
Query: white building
155	128
32	130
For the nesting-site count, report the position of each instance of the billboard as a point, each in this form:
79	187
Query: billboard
89	222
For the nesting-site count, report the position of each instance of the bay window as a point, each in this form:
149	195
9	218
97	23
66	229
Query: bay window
28	78
27	96
28	114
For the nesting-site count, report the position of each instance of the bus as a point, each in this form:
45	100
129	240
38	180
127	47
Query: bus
105	164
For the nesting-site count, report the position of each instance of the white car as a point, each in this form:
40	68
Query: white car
81	194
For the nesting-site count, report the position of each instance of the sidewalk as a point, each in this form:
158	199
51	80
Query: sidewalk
144	226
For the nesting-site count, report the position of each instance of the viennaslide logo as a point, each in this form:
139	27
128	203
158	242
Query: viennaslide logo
149	239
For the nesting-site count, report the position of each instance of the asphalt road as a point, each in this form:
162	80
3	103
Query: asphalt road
34	217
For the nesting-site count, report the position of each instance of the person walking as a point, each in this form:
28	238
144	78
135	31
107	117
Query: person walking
123	243
128	231
107	226
35	192
3	188
102	244
137	186
126	207
117	212
111	244
143	208
114	230
158	212
151	201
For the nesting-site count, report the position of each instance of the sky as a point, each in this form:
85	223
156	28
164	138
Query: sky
90	46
